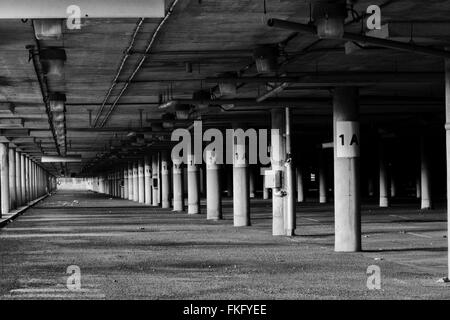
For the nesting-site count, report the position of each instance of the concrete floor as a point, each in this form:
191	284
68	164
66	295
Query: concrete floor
128	251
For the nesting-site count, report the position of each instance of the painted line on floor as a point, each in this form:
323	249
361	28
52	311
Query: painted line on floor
397	216
311	219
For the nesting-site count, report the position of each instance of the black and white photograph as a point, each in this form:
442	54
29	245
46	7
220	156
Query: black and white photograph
224	156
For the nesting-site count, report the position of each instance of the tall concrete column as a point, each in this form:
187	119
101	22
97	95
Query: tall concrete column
251	182
322	178
213	189
201	175
393	180
4	179
178	194
135	182
141	182
384	197
147	181
241	192
125	182
278	157
130	181
19	179
418	186
347	206
300	189
165	180
193	186
265	190
12	178
447	128
425	202
156	180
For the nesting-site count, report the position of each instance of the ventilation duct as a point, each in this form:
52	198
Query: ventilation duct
266	58
182	111
329	17
48	29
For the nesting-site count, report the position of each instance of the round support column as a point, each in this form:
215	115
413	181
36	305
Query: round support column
213	191
135	182
130	181
125	182
12	178
165	180
4	179
241	192
425	202
19	179
141	182
147	181
278	156
347	206
384	197
155	178
322	178
251	182
300	190
193	186
178	198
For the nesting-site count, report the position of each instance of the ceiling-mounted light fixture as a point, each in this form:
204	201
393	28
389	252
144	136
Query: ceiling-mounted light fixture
266	58
52	60
227	88
182	111
329	17
48	29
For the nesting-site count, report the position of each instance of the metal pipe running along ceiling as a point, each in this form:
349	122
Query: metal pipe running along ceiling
59	9
396	45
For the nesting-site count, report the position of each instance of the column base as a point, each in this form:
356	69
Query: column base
384	202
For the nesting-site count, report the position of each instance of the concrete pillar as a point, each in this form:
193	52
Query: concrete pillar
213	189
12	178
447	128
141	182
19	179
178	198
300	188
147	181
193	186
278	157
165	180
130	181
241	192
322	178
393	180
418	186
126	192
251	181
347	206
265	190
4	179
384	198
155	178
135	182
425	202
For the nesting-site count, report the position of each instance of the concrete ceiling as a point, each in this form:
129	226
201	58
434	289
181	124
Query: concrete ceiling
214	37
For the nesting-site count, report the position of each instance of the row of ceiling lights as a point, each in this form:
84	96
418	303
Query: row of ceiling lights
52	60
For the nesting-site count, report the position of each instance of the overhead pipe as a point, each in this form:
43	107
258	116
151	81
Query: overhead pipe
119	71
396	45
141	62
